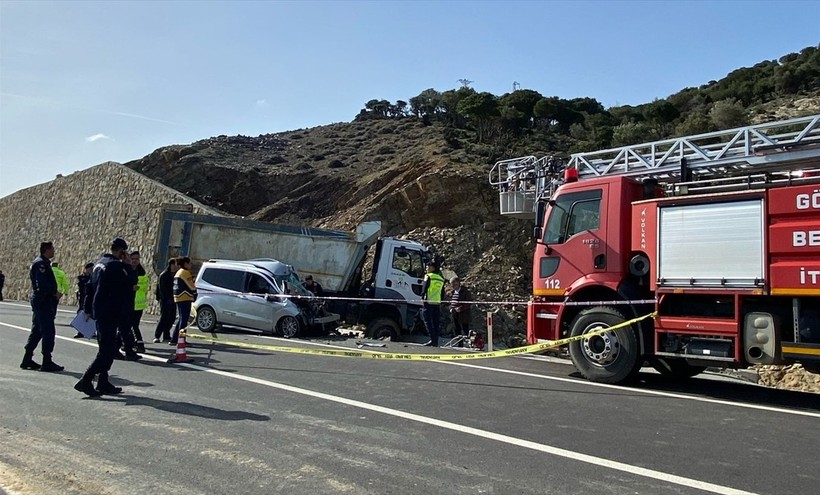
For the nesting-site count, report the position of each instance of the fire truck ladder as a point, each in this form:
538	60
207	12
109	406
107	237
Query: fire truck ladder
787	147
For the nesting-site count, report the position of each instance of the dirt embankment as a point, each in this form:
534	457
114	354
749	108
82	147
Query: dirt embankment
417	182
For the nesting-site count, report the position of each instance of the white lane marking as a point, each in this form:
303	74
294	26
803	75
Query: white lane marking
639	390
519	442
567	380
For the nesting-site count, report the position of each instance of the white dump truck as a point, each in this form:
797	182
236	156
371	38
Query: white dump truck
386	302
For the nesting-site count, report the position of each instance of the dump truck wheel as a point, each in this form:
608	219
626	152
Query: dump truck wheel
289	327
382	329
206	319
611	357
676	368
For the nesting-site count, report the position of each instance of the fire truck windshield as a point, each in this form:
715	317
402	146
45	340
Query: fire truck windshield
572	213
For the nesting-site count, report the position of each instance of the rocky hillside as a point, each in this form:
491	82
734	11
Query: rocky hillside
401	172
428	182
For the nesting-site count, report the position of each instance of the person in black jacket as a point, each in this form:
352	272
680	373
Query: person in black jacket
113	291
125	335
460	309
165	297
313	286
83	282
44	300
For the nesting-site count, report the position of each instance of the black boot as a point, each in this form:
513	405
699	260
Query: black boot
28	363
105	387
50	366
130	355
86	386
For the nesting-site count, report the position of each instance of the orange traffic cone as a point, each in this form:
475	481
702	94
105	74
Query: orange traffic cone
181	355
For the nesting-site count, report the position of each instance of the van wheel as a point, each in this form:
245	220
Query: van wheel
206	319
289	327
611	357
676	368
383	329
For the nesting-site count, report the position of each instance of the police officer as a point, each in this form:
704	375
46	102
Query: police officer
44	300
83	284
432	293
112	292
125	336
167	308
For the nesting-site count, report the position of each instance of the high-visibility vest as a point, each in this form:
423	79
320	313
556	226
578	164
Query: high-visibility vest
62	280
141	297
436	283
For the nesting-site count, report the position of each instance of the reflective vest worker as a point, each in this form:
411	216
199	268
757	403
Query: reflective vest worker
141	297
432	294
62	279
433	291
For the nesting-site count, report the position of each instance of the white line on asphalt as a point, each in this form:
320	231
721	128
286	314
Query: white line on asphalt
548	377
640	390
519	442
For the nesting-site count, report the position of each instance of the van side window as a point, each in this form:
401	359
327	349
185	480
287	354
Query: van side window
258	285
227	279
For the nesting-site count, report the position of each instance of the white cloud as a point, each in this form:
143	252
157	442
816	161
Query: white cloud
96	137
261	103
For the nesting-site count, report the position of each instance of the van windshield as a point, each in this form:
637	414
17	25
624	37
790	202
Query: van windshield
294	285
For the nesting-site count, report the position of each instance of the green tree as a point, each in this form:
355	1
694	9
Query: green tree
727	114
449	105
480	110
380	109
556	112
661	112
632	133
523	100
426	103
587	105
694	123
627	113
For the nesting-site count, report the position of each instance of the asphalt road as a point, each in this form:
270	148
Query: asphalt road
246	421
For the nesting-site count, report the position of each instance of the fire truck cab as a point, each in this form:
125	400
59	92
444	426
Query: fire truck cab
718	234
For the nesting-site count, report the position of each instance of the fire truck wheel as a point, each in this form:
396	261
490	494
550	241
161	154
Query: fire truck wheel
382	329
676	368
611	357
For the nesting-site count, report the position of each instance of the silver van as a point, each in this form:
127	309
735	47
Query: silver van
248	294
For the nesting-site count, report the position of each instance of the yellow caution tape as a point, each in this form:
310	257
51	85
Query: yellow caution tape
422	357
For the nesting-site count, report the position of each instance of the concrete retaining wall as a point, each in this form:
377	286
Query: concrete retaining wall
81	213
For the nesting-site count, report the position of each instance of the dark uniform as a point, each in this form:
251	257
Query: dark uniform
44	300
112	291
82	288
167	308
125	336
460	311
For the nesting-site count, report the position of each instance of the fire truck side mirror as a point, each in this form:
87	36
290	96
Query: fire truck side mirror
540	211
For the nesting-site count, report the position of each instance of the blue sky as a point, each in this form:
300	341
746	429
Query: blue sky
86	82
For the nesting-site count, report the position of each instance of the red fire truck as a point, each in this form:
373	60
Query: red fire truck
717	233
